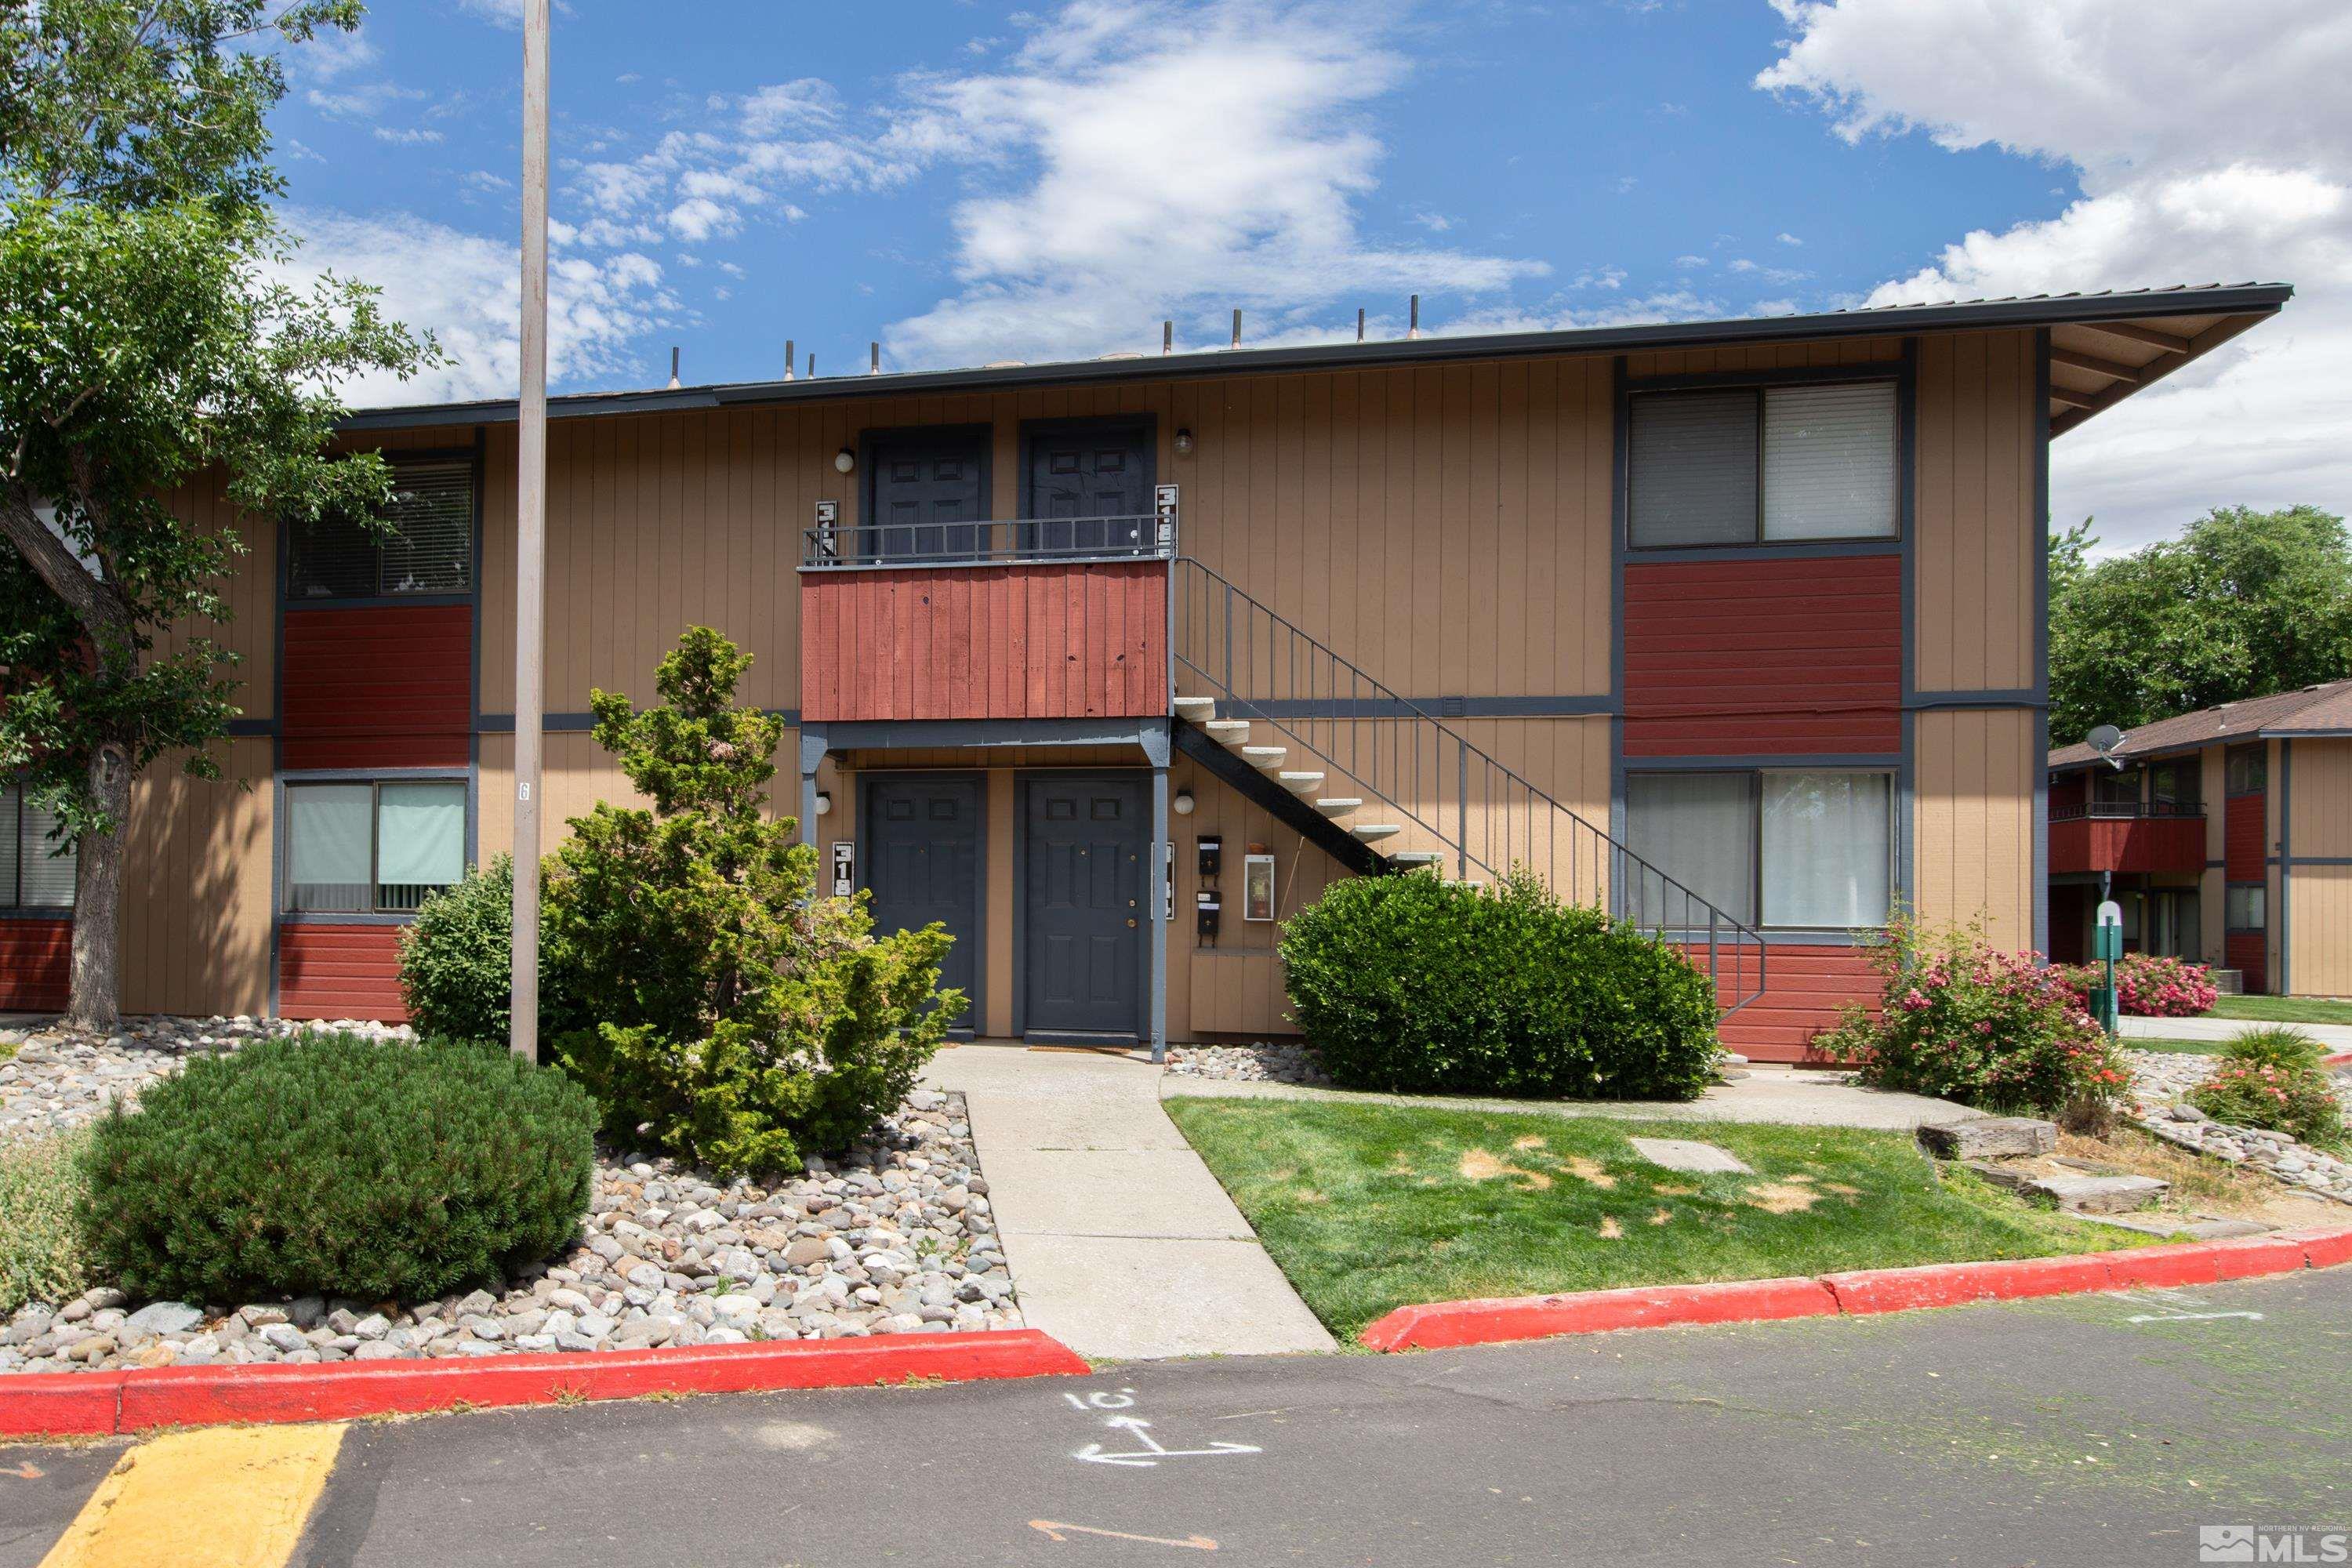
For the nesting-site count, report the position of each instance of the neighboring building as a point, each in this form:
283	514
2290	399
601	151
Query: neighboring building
1736	625
2226	836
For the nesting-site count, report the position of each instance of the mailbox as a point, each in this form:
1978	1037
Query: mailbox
1212	854
1205	909
2107	933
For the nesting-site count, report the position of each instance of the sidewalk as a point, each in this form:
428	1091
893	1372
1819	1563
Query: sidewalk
1122	1244
1781	1095
2335	1037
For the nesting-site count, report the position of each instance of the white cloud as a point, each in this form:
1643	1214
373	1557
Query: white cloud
2211	143
365	101
331	52
406	136
1787	238
468	290
1688	262
1436	223
1139	160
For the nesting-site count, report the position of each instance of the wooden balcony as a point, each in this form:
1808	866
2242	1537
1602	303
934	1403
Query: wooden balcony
2126	838
1034	618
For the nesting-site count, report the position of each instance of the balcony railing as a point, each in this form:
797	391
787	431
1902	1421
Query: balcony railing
1008	542
2126	810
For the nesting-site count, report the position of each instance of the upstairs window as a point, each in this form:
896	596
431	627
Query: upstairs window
431	552
1765	465
372	848
2175	788
2115	792
30	876
2249	770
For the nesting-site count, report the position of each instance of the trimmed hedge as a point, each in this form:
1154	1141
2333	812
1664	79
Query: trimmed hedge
332	1164
1415	985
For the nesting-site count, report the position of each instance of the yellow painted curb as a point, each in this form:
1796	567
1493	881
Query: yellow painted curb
229	1497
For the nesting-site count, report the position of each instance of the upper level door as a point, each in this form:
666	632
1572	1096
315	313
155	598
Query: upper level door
924	490
1089	483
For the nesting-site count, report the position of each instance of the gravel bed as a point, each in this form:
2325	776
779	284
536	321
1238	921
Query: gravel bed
895	1237
1260	1063
2160	1080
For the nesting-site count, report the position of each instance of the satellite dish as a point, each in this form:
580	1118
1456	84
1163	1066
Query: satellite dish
2104	741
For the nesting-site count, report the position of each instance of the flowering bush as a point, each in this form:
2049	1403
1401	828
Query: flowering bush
2147	986
1962	1021
2271	1077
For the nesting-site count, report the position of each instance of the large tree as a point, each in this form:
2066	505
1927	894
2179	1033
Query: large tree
2242	605
144	342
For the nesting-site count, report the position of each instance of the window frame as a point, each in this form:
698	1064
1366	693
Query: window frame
2259	755
1900	373
2257	890
1755	775
13	806
471	456
281	847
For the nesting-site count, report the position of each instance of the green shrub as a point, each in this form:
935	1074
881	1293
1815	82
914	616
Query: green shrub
739	1020
2271	1077
1412	983
1961	1020
333	1164
456	962
40	1255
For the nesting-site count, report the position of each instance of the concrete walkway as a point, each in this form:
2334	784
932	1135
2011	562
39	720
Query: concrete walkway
1122	1244
1768	1094
2335	1037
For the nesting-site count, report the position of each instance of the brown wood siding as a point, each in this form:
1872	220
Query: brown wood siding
1972	811
197	903
992	642
1744	658
1974	556
2319	926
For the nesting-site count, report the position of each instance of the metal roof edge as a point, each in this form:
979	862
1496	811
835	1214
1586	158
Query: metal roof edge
2042	310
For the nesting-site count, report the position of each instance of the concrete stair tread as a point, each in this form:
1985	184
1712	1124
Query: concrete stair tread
1199	710
1267	757
1377	829
1338	806
1228	730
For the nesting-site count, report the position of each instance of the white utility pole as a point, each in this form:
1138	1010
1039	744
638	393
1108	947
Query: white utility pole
530	531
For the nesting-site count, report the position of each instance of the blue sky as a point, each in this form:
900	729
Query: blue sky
968	183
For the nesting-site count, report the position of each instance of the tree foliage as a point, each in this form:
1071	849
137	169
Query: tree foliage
148	342
2243	604
740	1020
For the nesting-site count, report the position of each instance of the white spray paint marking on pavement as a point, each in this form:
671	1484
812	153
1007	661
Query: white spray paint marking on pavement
2179	1307
1148	1451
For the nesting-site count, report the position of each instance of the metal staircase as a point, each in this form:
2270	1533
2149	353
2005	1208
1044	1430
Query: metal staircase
1384	786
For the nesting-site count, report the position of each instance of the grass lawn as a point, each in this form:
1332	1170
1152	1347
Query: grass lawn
2283	1010
1367	1208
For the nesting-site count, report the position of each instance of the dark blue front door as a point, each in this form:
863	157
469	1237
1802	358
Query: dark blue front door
922	857
1083	915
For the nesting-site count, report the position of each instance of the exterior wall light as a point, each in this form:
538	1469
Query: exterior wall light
844	460
1183	803
1183	443
823	803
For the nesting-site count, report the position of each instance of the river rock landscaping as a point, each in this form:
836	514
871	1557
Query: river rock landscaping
2161	1080
895	1237
1259	1063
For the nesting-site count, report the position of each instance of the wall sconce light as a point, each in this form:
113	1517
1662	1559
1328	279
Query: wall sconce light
1183	443
844	460
823	803
1183	803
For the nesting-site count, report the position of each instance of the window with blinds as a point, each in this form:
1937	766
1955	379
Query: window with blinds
431	550
1806	850
1763	465
372	848
31	878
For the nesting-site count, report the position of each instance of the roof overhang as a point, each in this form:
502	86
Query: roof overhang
2103	347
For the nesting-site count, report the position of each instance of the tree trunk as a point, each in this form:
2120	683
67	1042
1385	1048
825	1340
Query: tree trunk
94	1003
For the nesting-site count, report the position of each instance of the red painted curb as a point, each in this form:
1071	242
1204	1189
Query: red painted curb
86	1403
2340	1060
1958	1284
1447	1324
1443	1324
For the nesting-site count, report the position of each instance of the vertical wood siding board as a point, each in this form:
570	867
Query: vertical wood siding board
1598	422
1520	622
1454	540
1315	496
1288	498
1972	511
1343	521
1567	547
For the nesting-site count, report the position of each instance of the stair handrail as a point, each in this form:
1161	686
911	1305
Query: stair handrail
1720	927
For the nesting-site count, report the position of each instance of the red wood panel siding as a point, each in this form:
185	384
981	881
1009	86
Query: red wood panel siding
388	687
1804	989
2245	837
2130	844
36	964
985	642
2248	952
338	971
1740	657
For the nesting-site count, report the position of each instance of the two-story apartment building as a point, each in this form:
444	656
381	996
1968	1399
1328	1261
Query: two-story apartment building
2224	835
1111	666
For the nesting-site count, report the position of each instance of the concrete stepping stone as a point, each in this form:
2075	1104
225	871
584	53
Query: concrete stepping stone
1990	1138
1689	1155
